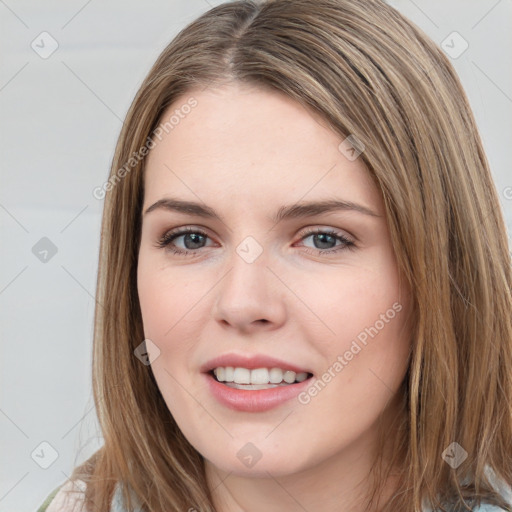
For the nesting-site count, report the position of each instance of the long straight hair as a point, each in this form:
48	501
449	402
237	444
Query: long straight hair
370	73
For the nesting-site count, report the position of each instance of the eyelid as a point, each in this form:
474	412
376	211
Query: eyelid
346	243
177	232
309	230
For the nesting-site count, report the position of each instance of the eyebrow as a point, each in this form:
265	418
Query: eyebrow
298	210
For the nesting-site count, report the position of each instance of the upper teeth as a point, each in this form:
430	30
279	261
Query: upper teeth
258	375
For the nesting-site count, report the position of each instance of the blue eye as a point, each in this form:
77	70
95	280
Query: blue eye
192	238
325	241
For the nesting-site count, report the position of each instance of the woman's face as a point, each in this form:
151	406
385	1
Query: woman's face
263	271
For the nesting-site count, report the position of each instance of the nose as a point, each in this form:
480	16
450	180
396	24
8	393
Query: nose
250	297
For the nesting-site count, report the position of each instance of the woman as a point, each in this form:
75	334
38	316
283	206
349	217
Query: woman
304	277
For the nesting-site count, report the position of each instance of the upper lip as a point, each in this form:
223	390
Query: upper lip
250	362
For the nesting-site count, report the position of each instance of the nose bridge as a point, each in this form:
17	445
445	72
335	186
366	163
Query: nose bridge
249	276
248	294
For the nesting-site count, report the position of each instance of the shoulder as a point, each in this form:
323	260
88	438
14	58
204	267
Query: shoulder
501	487
489	508
68	497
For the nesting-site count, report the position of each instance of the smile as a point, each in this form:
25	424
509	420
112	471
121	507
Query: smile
254	383
258	378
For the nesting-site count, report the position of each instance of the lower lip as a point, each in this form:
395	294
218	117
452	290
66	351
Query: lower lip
256	400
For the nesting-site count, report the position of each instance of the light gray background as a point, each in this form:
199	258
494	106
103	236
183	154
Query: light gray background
60	119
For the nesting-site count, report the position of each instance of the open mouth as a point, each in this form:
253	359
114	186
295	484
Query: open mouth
267	383
258	378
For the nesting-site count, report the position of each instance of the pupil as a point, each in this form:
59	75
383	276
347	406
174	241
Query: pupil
196	239
322	237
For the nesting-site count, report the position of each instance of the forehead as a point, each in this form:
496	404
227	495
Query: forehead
244	142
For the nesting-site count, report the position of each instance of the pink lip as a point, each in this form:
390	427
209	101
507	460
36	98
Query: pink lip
250	362
253	401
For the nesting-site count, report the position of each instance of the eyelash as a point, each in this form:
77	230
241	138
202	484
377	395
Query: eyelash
166	240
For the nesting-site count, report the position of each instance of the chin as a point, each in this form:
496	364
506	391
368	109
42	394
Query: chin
276	462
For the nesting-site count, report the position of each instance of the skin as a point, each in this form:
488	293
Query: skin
245	152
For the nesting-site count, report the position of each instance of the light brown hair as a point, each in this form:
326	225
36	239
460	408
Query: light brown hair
369	72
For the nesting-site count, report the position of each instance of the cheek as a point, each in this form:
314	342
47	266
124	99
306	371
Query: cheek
164	298
343	302
157	301
170	306
364	363
363	335
375	356
170	303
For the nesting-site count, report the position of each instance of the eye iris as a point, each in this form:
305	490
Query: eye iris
196	238
324	238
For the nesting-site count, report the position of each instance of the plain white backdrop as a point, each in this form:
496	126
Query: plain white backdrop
68	73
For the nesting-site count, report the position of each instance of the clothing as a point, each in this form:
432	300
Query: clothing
60	500
503	489
68	497
65	498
